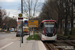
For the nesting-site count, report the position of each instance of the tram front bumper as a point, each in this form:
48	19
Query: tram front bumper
53	38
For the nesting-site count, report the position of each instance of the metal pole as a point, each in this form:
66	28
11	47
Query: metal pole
29	16
22	21
20	40
33	33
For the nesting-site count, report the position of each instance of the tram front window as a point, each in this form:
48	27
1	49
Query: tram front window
49	28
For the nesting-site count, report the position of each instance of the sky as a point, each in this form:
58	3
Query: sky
12	7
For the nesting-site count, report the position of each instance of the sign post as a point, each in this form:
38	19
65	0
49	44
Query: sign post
33	33
32	24
20	18
20	39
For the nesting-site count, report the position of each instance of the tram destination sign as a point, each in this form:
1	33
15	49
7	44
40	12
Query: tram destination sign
33	23
49	22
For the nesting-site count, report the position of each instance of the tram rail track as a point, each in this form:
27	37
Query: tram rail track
66	40
70	43
57	46
61	44
51	46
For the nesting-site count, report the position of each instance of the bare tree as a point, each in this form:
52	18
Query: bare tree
30	7
2	14
9	23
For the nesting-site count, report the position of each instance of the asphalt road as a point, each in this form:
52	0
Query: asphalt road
6	38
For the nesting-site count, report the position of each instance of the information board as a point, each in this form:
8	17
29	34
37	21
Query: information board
33	23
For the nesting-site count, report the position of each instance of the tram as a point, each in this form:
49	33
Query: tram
48	30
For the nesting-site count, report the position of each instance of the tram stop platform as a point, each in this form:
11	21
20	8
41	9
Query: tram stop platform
26	45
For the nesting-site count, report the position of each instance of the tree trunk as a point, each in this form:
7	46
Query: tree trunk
72	19
61	26
66	18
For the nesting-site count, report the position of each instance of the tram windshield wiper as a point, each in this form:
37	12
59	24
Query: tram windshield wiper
46	30
49	29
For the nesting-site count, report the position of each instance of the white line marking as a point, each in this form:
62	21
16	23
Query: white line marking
6	45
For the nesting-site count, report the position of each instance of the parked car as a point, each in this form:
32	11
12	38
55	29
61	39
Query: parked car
19	33
12	29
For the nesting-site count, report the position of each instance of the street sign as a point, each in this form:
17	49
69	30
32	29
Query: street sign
20	19
33	23
20	15
26	22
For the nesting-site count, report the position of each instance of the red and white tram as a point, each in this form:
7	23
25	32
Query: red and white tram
48	28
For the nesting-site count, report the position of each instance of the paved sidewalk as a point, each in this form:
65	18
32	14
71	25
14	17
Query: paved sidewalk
26	45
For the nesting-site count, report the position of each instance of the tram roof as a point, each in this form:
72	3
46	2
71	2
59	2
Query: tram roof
48	20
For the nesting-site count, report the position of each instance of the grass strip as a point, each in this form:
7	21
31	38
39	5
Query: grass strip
35	37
